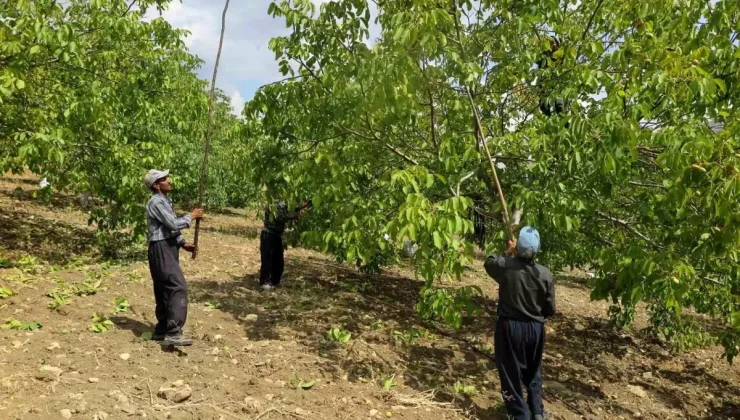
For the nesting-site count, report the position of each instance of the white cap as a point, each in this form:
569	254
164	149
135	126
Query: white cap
153	175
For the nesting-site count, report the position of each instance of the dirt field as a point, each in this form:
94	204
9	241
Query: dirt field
267	356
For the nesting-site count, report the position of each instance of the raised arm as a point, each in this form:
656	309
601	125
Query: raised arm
495	266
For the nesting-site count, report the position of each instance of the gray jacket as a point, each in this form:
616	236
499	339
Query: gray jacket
162	223
526	289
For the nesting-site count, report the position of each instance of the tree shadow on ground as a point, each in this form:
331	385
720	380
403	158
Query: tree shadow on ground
53	201
589	343
573	282
727	410
388	339
250	232
43	238
18	179
60	243
378	311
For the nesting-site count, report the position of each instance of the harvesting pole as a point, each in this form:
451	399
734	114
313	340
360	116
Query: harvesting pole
480	136
500	191
209	128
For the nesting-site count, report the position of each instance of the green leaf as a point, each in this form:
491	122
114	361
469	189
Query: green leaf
307	385
146	335
34	50
437	240
721	85
736	320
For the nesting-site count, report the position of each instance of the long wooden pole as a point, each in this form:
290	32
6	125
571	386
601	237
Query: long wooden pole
500	191
209	127
480	135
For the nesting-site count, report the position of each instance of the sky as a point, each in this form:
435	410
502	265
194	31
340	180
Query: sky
246	62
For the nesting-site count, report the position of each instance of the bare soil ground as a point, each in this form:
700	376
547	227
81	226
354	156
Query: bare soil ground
254	349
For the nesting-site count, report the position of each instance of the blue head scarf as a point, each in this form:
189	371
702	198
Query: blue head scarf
528	244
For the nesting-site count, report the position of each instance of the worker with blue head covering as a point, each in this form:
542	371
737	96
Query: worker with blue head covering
528	244
526	299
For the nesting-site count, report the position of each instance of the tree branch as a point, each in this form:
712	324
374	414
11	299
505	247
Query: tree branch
591	19
628	226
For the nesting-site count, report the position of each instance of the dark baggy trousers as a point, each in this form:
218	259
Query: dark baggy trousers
170	288
271	254
519	346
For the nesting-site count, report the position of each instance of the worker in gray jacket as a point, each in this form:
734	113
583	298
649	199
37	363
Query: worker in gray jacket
526	299
165	241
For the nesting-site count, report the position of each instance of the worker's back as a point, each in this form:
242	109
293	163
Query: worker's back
526	291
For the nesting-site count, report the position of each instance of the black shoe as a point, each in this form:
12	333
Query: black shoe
178	340
157	337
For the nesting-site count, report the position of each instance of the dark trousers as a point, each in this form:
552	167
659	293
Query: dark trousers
519	346
271	253
170	288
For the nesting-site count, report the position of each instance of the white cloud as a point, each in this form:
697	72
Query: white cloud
237	103
246	61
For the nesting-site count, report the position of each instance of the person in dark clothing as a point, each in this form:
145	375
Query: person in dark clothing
165	241
526	299
271	243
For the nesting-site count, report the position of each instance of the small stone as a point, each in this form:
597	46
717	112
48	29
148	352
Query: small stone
124	356
81	408
93	380
177	392
100	415
251	317
373	412
17	344
67	414
215	351
217	337
119	396
280	383
637	390
53	346
549	330
579	327
647	375
251	404
269	397
234	362
142	414
49	373
302	412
